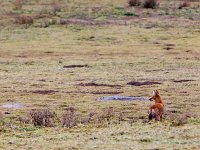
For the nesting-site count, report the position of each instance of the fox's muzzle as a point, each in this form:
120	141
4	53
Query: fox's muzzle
151	99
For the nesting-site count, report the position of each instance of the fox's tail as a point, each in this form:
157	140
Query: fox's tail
152	114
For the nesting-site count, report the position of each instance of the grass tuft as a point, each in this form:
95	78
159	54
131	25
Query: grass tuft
69	118
132	3
22	19
183	4
17	4
42	117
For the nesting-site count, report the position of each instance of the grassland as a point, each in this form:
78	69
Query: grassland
115	44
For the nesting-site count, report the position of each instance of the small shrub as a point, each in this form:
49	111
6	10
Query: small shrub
23	20
1	119
109	113
151	4
43	117
132	3
24	120
185	3
17	4
131	121
121	117
88	119
179	120
69	118
106	115
56	8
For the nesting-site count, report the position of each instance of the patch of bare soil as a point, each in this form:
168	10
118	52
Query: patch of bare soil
143	83
168	48
44	92
76	66
95	84
180	81
187	51
21	56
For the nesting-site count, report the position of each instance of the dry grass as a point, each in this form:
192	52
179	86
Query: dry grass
75	64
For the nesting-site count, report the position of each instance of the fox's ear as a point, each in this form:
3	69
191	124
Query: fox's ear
154	92
157	92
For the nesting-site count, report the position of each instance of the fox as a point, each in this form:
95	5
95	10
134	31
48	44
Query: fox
156	111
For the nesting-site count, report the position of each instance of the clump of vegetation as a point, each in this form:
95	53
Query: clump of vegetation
121	117
106	116
132	3
69	118
109	114
56	8
151	4
17	4
88	119
185	3
22	19
24	120
1	119
42	117
181	119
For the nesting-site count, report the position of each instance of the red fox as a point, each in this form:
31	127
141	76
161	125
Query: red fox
156	111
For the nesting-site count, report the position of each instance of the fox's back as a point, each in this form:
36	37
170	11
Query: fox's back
159	106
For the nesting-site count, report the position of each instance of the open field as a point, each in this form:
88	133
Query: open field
74	53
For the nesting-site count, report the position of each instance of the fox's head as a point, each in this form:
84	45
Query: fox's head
156	97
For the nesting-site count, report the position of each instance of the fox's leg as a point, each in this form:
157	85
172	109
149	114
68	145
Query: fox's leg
161	118
150	115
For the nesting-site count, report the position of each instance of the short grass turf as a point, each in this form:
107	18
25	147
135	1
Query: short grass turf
36	69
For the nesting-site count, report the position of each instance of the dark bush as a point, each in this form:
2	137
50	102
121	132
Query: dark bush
42	117
151	4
